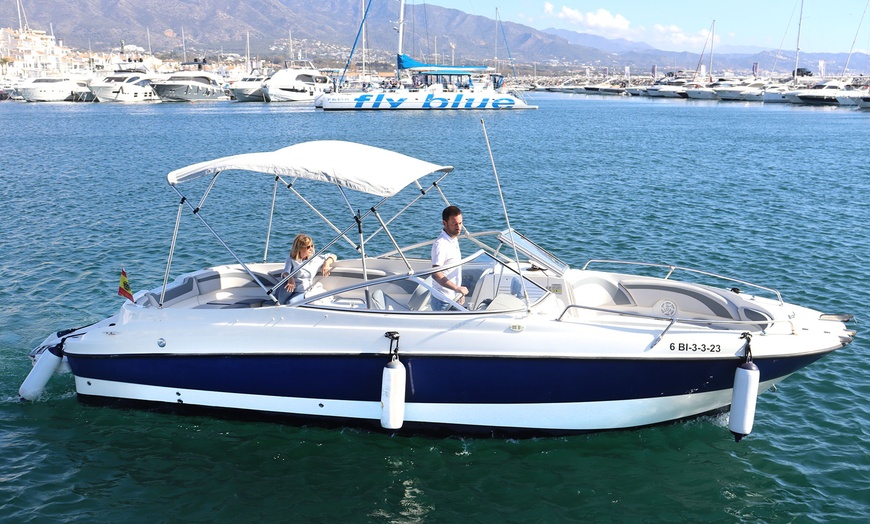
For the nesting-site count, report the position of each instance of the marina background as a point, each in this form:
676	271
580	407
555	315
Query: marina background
771	193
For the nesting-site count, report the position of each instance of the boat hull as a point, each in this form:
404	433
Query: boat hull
489	394
124	93
278	94
249	94
189	92
422	100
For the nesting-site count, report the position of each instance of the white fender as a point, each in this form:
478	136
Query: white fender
42	371
743	400
393	395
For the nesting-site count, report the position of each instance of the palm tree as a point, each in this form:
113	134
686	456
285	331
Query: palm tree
5	61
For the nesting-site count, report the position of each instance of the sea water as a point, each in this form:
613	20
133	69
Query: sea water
775	194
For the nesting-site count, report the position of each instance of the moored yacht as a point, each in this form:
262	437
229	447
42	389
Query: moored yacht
822	93
668	88
54	89
735	91
299	81
702	91
250	88
777	93
126	84
193	85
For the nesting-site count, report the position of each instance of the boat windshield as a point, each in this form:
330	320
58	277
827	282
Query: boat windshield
538	256
492	285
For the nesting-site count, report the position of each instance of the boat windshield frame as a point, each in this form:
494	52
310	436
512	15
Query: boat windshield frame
339	173
493	285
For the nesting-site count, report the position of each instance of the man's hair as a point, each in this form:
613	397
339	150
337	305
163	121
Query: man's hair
450	211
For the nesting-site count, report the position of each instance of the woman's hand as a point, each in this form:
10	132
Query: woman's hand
290	285
327	266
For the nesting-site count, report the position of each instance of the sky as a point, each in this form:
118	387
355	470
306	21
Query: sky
684	25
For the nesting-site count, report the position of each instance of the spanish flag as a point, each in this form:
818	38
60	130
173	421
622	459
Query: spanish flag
124	289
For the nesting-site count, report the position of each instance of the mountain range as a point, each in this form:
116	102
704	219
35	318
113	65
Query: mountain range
327	29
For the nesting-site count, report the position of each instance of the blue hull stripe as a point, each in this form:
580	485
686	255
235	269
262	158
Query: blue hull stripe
432	379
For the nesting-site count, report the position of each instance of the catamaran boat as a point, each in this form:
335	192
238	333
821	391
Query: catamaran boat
536	347
197	85
54	89
131	84
298	82
432	87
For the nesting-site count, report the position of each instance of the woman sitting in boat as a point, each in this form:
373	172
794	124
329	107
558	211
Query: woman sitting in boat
306	265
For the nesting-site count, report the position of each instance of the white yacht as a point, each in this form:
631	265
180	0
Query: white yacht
777	93
668	88
569	87
299	81
194	85
608	87
703	91
54	89
849	97
822	93
735	91
250	88
126	85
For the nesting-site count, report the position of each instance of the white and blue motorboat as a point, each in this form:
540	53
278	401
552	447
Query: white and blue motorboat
536	347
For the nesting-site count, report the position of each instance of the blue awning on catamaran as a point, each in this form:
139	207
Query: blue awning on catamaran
406	63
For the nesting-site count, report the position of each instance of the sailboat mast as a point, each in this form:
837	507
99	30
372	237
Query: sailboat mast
495	53
401	35
797	51
20	24
712	41
248	68
401	24
362	6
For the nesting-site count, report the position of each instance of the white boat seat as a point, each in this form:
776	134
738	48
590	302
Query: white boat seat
239	304
377	300
686	298
419	300
598	292
505	302
384	302
175	292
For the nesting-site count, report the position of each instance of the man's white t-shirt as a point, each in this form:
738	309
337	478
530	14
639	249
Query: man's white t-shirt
445	251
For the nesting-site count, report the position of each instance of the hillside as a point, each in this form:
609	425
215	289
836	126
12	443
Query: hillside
326	30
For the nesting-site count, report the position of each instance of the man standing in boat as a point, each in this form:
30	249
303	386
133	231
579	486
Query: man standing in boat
445	252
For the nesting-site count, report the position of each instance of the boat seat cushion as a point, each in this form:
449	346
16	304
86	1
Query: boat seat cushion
598	292
686	297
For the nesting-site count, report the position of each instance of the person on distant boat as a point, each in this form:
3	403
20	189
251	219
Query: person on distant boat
445	252
301	254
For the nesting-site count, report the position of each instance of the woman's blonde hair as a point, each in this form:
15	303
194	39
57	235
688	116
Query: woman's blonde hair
301	242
